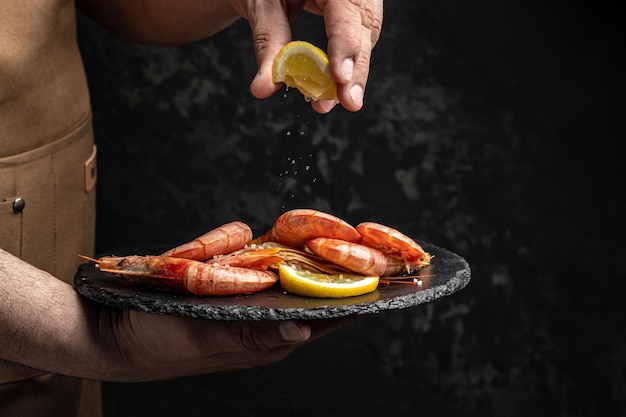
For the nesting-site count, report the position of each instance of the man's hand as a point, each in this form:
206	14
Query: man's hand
46	324
162	347
353	28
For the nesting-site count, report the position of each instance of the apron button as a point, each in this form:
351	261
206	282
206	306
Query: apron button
18	205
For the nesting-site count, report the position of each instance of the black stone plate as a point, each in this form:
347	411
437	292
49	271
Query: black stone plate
447	273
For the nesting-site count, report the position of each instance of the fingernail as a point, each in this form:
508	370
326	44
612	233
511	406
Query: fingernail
347	66
291	332
356	94
327	105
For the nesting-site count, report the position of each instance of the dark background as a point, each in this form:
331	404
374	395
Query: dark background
490	128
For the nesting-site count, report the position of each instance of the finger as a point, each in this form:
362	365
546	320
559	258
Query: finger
353	28
343	28
269	21
292	332
216	337
323	106
271	335
322	327
351	94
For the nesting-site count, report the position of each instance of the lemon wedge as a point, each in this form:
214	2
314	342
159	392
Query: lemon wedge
313	284
304	66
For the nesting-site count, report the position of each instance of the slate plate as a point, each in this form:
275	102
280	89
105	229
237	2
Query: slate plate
447	273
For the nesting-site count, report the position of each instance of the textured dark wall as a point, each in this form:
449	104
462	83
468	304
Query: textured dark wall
489	129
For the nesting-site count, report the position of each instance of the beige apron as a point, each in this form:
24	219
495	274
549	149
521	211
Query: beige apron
47	178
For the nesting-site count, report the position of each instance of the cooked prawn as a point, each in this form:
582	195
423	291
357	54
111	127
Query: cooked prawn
293	228
187	275
227	260
395	244
224	239
353	256
306	260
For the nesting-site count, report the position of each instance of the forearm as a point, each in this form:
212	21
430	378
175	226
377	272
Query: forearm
161	22
45	324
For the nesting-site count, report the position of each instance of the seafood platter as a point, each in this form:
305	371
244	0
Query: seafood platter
308	265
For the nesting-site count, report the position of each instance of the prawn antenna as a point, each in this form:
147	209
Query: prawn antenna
87	258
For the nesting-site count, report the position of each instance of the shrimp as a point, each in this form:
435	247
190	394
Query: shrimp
353	256
293	228
395	244
224	239
227	260
305	260
358	258
187	275
369	249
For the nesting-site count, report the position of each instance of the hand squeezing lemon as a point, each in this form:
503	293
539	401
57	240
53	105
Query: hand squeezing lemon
304	66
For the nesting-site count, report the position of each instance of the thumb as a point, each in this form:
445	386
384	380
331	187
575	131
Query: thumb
267	336
293	332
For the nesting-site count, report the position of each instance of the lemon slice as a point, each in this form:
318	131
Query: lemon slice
312	284
304	66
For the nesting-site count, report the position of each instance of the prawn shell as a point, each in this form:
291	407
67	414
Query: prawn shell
206	279
187	275
224	239
295	227
149	270
358	258
393	242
